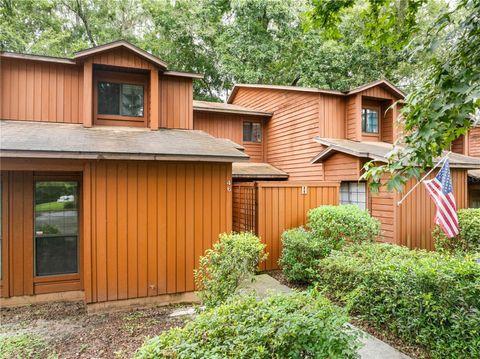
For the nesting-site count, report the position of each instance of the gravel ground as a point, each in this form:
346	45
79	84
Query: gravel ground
67	331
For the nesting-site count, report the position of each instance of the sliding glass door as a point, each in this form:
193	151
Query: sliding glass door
56	232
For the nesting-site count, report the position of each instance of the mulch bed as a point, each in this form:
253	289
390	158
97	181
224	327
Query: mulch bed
72	333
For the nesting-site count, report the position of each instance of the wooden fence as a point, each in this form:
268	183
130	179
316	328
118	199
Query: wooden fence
269	208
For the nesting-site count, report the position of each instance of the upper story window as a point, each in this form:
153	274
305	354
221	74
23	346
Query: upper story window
252	132
120	98
370	119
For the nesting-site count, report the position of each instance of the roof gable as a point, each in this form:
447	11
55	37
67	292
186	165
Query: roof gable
120	44
382	83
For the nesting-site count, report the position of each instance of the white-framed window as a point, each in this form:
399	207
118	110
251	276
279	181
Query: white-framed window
370	118
354	193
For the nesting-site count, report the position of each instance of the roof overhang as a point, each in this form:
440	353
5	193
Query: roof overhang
257	170
385	83
379	151
58	60
218	107
120	44
22	139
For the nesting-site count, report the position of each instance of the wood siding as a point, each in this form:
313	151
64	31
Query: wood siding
227	125
176	102
474	142
39	91
281	205
342	167
121	58
353	117
382	206
415	215
297	118
147	223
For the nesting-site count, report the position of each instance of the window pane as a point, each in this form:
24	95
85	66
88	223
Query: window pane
132	100
247	131
56	227
257	132
108	98
353	193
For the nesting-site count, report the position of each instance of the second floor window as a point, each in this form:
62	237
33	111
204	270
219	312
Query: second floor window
370	120
252	132
120	99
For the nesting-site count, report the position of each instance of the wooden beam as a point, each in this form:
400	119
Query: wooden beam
154	100
87	93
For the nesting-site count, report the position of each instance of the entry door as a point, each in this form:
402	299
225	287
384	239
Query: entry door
56	228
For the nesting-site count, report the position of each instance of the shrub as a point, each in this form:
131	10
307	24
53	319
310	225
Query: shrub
469	237
427	298
298	325
343	223
232	260
301	252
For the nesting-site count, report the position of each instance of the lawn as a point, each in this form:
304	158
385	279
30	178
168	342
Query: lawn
65	330
50	206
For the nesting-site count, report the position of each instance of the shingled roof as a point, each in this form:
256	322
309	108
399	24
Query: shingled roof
378	151
53	140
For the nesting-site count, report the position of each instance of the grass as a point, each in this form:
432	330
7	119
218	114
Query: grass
22	346
50	206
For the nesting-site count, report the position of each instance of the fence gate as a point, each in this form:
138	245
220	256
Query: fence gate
269	208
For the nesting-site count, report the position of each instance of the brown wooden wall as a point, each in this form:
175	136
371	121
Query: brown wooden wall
342	167
176	102
353	113
146	224
40	91
415	215
227	125
122	58
382	206
279	206
474	142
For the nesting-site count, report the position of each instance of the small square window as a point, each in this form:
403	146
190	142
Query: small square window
369	120
353	193
252	132
120	99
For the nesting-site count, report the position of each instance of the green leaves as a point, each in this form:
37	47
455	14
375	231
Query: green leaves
234	258
297	325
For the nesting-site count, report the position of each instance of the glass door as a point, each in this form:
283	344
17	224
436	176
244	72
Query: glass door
56	233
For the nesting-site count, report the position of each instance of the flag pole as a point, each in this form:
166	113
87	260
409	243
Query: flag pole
423	178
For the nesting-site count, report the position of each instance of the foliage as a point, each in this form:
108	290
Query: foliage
446	100
22	346
298	325
426	298
233	259
301	252
469	238
343	223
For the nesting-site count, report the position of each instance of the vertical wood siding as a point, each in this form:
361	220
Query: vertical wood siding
296	120
382	206
353	117
147	223
342	167
38	91
416	214
176	102
227	125
281	206
122	58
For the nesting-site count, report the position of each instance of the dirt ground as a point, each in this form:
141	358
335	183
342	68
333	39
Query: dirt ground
65	330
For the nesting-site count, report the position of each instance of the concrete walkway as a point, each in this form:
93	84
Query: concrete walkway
373	348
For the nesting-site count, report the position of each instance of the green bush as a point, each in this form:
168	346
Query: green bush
469	238
343	223
233	259
298	325
301	252
427	298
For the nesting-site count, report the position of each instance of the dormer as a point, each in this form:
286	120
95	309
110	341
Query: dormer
116	84
369	114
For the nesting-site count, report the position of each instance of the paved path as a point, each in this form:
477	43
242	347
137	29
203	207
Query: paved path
373	348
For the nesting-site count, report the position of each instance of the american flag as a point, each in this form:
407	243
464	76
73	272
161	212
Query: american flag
441	191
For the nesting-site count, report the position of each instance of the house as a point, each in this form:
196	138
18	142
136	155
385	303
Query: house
114	181
108	193
323	135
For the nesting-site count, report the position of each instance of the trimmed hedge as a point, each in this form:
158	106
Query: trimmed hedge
299	325
469	238
427	298
233	259
343	223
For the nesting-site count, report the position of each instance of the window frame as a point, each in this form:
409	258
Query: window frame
355	203
377	109
251	131
120	78
58	280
